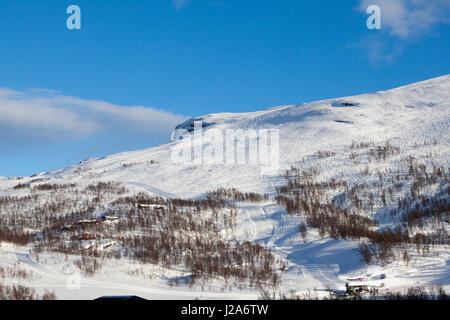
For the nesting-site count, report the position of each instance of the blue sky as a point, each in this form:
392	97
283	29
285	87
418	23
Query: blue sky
137	68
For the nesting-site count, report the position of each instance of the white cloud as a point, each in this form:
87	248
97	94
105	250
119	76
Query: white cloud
178	4
410	18
379	49
43	115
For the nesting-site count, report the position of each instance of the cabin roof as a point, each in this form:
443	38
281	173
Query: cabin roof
120	298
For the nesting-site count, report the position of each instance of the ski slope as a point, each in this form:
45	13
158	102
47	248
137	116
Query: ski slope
415	113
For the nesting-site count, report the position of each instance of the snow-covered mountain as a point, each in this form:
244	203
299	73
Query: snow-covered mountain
414	118
414	113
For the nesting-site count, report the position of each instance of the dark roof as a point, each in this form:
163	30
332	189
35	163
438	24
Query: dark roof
120	298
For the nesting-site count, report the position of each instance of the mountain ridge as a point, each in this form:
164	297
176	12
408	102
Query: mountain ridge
368	164
310	127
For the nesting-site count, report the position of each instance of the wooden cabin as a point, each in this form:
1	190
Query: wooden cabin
358	288
87	222
87	236
109	218
131	298
68	227
151	206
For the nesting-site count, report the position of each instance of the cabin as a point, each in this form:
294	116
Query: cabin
108	218
87	222
87	236
151	206
108	244
68	227
135	298
358	288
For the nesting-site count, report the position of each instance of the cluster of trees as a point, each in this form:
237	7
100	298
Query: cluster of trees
361	145
89	265
207	258
236	195
20	292
434	210
412	293
325	154
14	235
16	273
342	209
20	186
43	186
46	208
303	195
53	187
107	187
376	151
382	152
17	292
186	234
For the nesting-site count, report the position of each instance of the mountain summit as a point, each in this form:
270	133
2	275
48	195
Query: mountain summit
357	191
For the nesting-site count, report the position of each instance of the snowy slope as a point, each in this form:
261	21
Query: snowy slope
416	112
411	114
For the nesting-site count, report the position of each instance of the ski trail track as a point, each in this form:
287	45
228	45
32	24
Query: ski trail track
270	225
90	288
